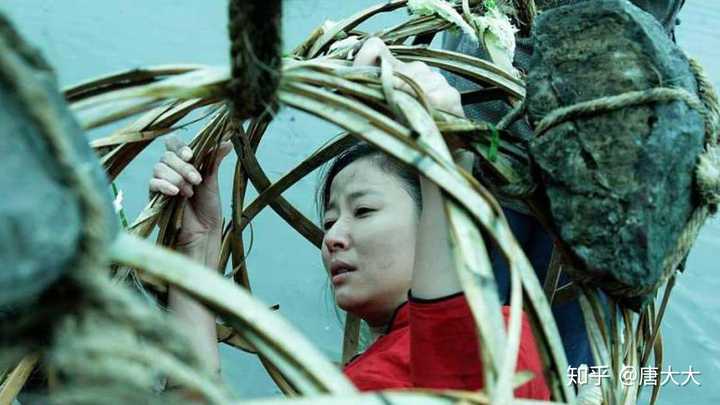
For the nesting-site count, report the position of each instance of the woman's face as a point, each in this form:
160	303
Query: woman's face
370	228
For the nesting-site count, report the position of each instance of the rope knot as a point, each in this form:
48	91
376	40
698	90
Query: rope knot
708	175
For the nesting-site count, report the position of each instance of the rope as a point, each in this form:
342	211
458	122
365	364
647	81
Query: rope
512	116
100	339
708	96
526	12
526	186
612	103
93	233
126	344
708	168
255	55
707	175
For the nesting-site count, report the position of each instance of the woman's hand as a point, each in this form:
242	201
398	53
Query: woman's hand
199	235
175	175
433	275
440	94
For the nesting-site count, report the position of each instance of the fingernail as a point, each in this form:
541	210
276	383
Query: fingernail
195	178
186	153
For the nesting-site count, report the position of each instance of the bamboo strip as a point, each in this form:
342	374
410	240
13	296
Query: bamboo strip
14	382
239	308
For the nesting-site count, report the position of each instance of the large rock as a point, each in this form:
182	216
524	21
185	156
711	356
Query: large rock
664	11
40	216
618	184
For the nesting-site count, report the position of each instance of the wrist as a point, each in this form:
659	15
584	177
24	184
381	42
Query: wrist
204	248
190	240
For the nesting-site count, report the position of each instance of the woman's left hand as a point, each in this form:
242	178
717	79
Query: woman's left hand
432	275
439	93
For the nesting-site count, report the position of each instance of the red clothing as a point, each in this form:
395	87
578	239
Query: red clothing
433	344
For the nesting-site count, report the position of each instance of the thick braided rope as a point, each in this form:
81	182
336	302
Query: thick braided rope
255	55
708	170
121	340
526	12
109	310
708	96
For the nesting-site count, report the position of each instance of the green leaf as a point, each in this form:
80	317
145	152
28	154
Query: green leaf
494	142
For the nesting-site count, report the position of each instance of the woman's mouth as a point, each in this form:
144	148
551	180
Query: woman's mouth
340	271
340	277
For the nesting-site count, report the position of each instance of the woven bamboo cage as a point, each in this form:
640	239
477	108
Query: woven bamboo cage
318	78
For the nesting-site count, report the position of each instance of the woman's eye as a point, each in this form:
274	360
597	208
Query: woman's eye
363	211
327	225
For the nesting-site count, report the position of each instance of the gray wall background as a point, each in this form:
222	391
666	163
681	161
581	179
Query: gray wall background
86	38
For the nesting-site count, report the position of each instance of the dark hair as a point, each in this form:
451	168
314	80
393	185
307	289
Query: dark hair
363	150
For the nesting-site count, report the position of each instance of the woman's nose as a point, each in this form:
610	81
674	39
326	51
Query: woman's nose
337	238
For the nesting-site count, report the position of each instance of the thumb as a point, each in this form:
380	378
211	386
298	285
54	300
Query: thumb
220	153
371	52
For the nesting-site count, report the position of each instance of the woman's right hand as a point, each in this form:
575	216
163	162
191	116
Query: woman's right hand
199	236
175	175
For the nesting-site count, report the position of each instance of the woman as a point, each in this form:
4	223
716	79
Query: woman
386	249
